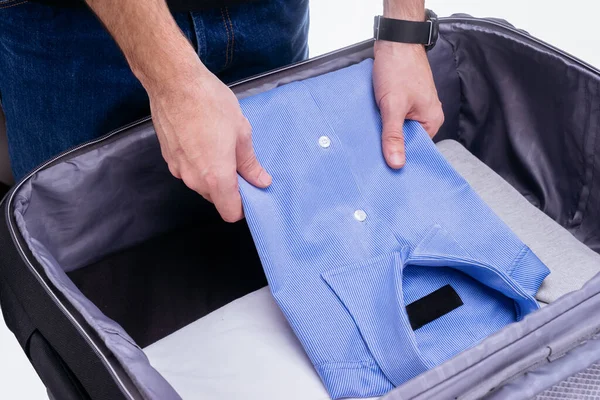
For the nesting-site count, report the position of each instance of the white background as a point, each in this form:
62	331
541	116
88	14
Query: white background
570	26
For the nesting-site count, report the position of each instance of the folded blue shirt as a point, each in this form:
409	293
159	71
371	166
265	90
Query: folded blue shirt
347	242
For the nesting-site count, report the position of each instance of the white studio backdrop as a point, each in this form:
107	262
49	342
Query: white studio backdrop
569	26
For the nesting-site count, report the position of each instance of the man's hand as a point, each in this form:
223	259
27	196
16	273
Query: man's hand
205	139
404	87
203	134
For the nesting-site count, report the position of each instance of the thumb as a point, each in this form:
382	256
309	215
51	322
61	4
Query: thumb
248	166
392	137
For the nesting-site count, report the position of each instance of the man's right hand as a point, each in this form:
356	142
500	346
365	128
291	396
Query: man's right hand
205	138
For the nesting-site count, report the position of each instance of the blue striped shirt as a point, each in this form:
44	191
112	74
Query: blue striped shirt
346	242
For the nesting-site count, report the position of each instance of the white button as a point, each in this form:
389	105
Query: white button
324	142
360	215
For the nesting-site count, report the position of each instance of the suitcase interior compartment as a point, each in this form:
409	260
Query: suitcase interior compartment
140	255
168	281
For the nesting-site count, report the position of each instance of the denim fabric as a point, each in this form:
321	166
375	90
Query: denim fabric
63	80
346	242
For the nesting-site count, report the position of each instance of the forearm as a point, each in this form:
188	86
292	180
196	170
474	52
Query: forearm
404	9
150	39
204	136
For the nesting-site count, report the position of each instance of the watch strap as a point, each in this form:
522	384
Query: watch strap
397	30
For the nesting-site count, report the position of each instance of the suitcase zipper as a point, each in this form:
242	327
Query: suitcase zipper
65	311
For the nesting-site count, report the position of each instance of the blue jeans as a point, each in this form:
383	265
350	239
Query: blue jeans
63	79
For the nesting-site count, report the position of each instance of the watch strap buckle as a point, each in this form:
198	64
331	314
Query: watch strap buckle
429	42
376	26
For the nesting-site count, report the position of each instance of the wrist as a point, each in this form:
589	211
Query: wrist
158	69
394	49
409	10
164	60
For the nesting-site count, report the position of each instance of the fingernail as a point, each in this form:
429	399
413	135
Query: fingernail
264	178
397	159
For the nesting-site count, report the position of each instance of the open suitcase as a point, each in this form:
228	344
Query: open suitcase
113	280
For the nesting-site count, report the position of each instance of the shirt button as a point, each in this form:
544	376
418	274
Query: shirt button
360	215
324	142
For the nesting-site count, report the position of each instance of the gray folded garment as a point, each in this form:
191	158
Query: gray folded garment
571	262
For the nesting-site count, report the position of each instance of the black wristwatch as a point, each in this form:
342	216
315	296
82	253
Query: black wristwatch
397	30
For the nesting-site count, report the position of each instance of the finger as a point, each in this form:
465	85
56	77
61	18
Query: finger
247	164
225	195
207	197
438	120
432	120
174	170
164	150
193	180
392	137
